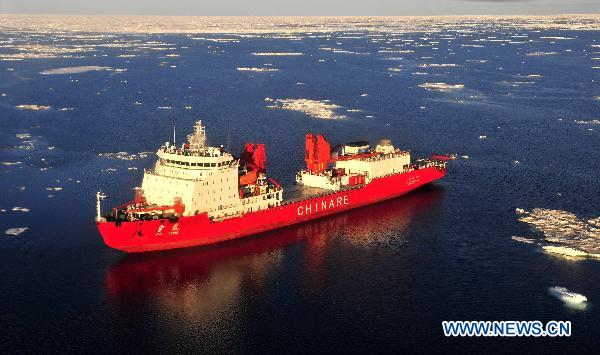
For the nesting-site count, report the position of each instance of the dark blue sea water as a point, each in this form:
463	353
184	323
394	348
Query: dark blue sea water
377	279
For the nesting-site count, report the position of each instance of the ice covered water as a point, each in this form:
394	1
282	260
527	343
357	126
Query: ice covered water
460	85
570	235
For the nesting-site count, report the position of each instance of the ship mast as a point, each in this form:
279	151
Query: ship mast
197	139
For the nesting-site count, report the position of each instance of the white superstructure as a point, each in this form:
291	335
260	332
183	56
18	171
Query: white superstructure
204	179
357	165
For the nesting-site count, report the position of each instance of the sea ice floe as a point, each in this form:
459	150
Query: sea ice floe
570	298
566	252
15	231
33	107
258	69
396	51
277	54
539	54
437	65
20	209
566	234
43	51
314	108
73	70
443	87
343	51
125	155
523	240
556	37
217	40
588	122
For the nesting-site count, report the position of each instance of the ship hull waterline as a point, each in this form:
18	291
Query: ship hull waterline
191	231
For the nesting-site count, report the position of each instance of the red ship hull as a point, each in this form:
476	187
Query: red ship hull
151	235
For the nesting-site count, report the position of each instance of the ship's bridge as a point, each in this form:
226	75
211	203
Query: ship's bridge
193	160
184	160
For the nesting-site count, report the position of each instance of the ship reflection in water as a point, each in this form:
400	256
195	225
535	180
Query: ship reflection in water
202	283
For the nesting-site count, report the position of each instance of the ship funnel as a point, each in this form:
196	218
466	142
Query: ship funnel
253	159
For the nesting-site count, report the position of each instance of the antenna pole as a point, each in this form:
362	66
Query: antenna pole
228	137
174	126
